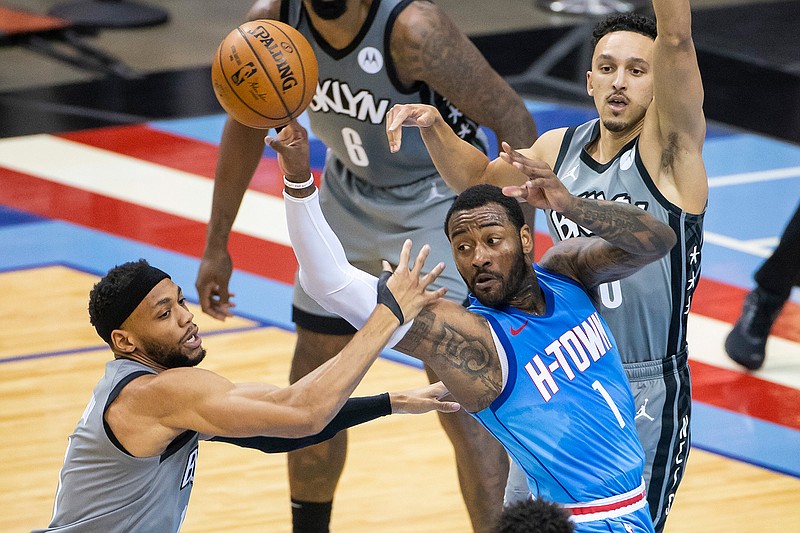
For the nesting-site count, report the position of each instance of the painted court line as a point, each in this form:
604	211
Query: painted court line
752	247
754	177
139	182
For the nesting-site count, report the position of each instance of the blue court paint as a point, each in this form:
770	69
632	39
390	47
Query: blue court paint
746	439
744	152
10	217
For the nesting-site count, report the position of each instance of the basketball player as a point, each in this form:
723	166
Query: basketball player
372	54
531	359
646	150
130	462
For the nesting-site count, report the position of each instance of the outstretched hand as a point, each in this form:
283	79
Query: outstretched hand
291	145
409	285
543	189
423	400
419	115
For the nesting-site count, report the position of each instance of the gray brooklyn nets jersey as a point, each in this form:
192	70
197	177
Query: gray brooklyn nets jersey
102	488
651	326
357	86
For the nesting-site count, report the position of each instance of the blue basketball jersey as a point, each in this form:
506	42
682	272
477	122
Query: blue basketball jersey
565	413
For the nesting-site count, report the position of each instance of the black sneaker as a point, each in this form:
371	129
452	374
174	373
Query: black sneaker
746	343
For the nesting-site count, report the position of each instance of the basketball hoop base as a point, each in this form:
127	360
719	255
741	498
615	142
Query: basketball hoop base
100	14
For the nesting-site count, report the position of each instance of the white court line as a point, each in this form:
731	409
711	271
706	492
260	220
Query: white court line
752	177
757	247
706	338
139	182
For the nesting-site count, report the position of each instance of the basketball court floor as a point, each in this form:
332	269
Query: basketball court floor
77	202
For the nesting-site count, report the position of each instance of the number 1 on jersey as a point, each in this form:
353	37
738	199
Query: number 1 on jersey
607	397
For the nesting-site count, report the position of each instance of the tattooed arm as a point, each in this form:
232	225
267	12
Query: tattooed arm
427	46
630	237
459	348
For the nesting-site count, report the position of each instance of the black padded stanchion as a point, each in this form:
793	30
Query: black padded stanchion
101	14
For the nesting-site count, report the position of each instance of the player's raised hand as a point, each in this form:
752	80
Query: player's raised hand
409	285
291	145
543	189
419	115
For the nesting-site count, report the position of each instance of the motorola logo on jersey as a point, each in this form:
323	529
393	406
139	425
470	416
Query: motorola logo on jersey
334	96
583	344
566	229
370	60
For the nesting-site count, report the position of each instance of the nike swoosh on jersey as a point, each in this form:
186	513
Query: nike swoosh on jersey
517	331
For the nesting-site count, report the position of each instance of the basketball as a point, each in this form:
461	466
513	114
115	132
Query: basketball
264	74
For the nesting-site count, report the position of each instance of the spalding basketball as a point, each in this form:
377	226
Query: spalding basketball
264	74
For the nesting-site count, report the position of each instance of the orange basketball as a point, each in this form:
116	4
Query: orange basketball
264	73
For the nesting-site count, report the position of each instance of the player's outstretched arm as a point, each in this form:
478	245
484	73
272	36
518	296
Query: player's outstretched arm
630	236
671	142
178	399
354	412
460	164
427	45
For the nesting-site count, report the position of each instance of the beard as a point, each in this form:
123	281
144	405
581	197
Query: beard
170	357
329	10
615	126
510	285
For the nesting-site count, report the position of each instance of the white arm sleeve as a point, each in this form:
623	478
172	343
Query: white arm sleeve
325	274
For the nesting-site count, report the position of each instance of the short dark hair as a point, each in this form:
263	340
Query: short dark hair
534	516
117	293
480	195
634	22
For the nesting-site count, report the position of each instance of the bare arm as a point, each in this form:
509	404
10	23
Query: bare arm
427	46
151	411
356	411
458	347
630	237
674	129
239	153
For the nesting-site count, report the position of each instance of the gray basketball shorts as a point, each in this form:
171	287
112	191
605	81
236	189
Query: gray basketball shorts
372	223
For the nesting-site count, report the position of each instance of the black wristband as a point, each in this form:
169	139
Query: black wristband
386	297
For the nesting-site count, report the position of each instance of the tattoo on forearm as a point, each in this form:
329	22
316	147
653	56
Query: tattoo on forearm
455	352
625	226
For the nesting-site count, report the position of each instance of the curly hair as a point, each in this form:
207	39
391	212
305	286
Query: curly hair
480	195
106	292
534	516
624	22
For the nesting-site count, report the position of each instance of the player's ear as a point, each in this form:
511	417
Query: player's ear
589	88
122	341
526	238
